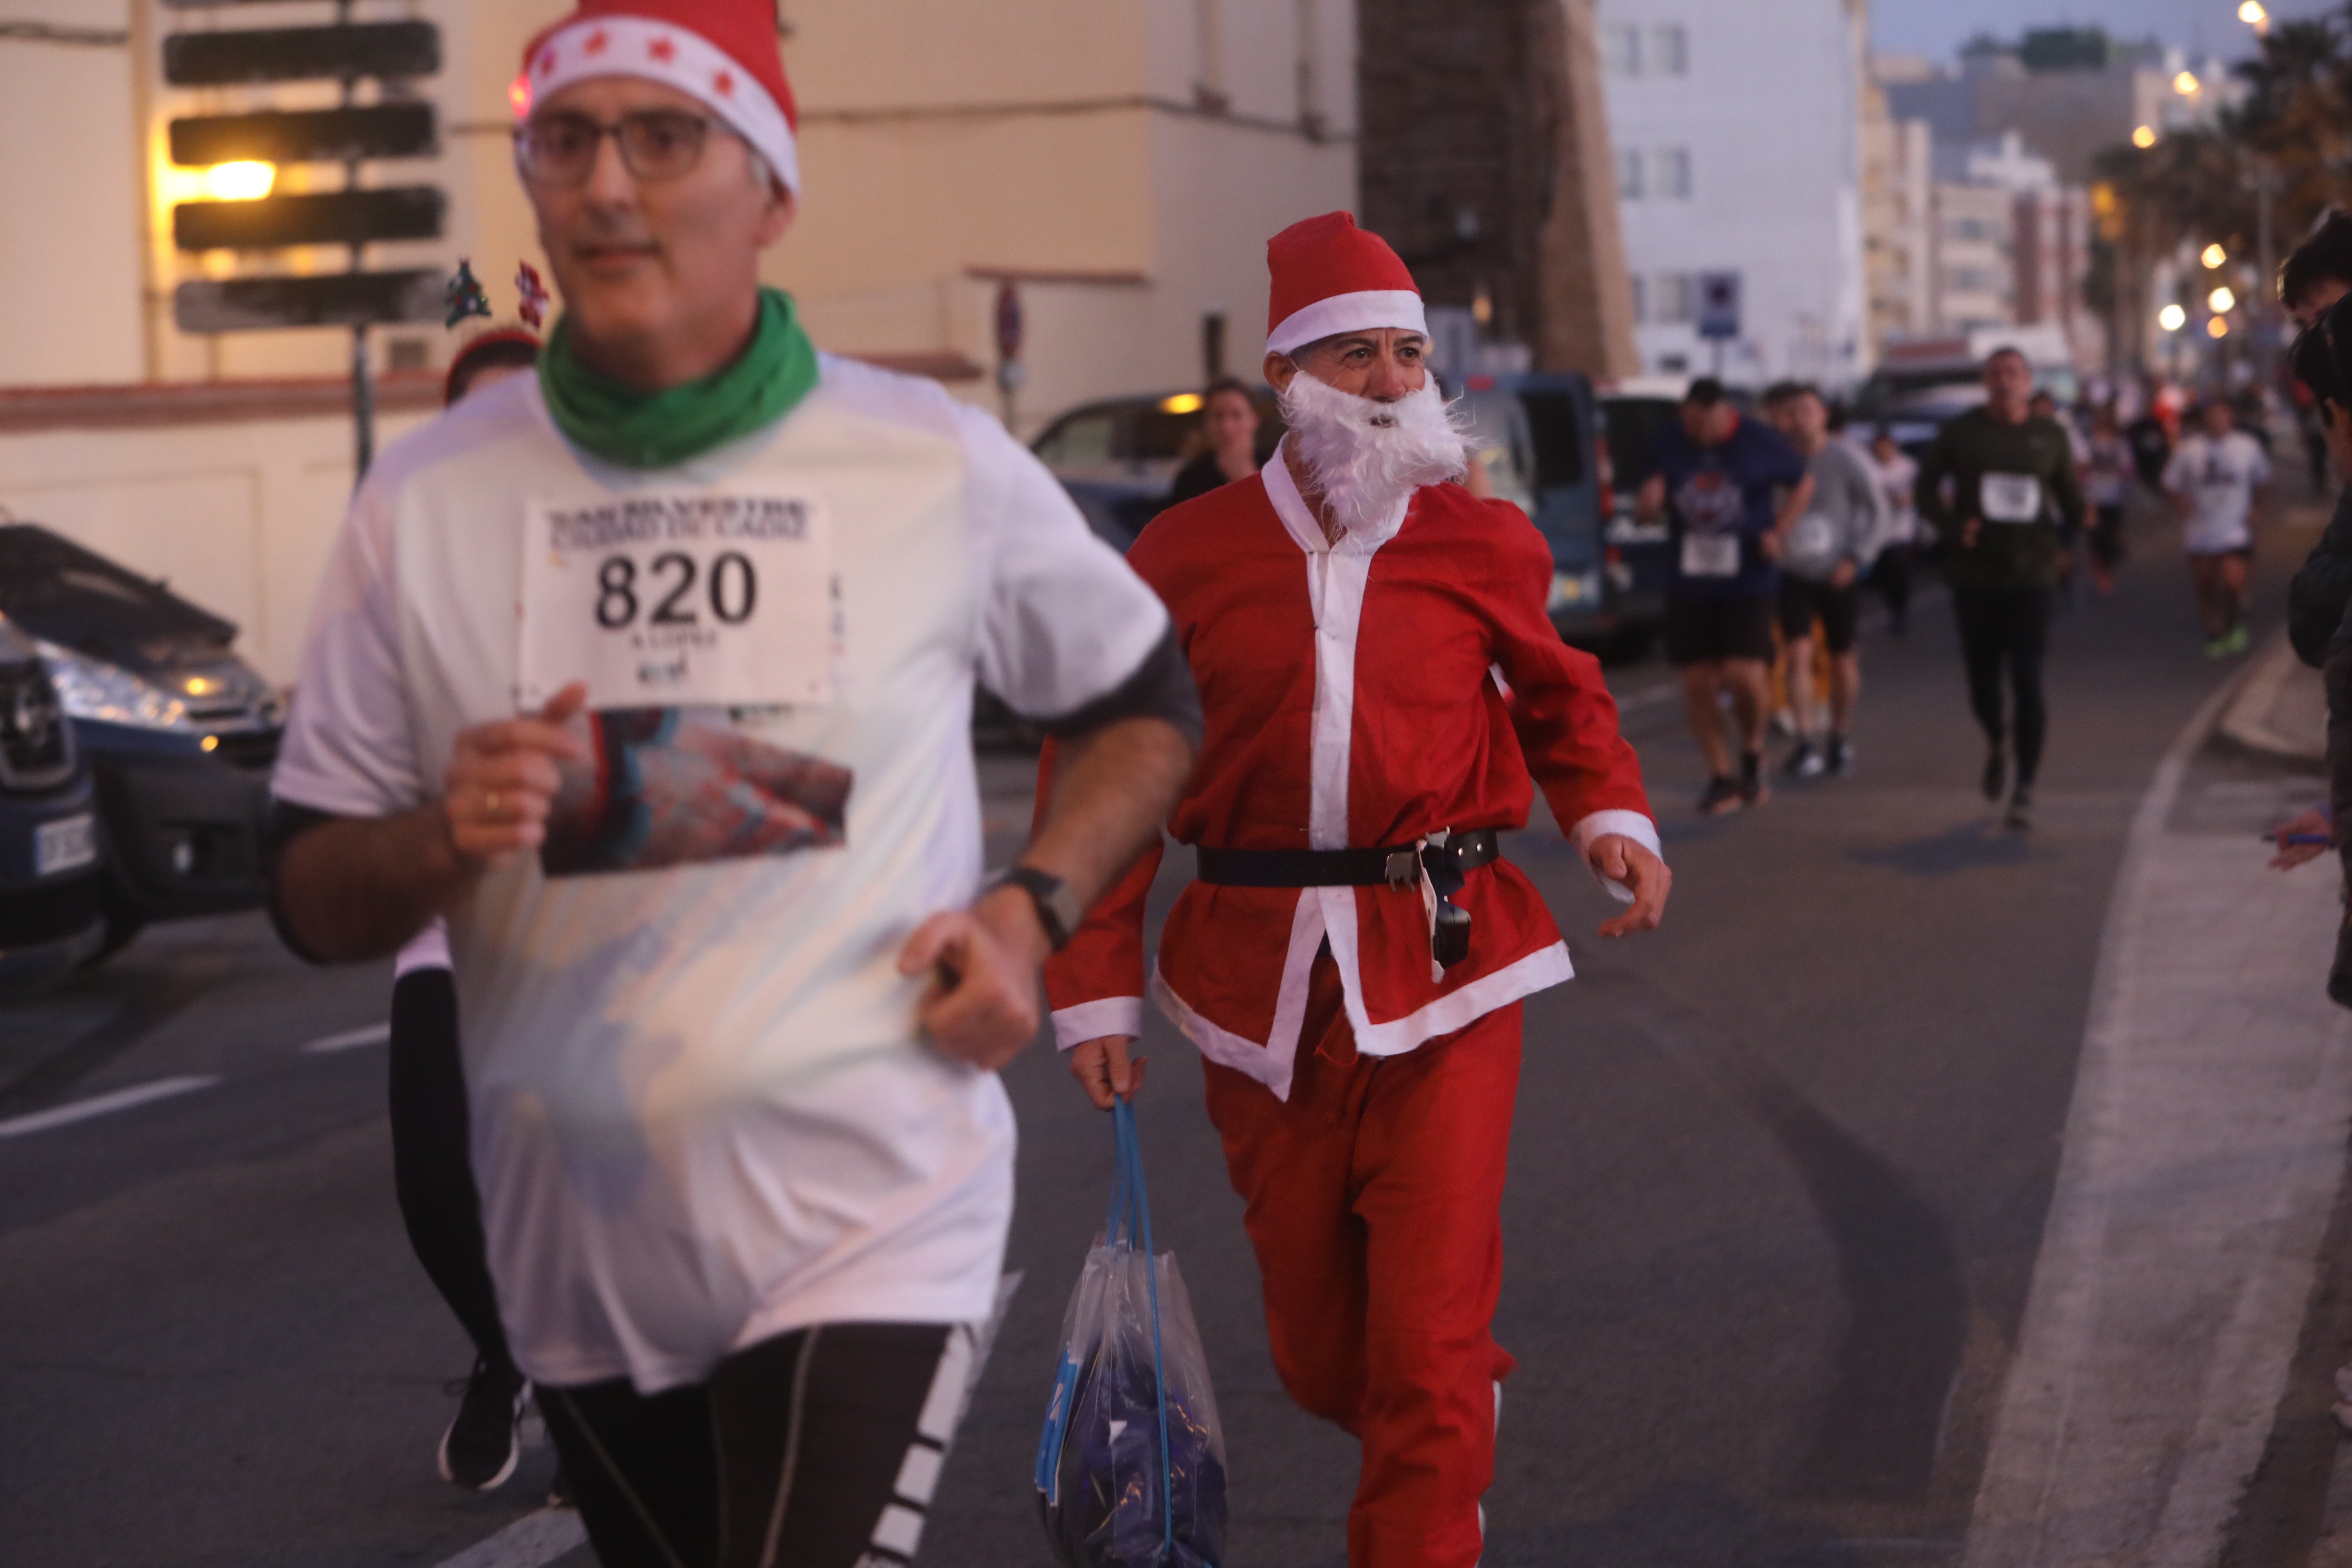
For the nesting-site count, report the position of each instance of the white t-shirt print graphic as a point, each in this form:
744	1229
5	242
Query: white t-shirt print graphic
2220	478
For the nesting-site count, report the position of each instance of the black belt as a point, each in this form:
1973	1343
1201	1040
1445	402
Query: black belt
1394	865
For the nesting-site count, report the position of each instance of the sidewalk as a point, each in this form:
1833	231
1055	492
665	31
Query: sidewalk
2204	1151
2280	710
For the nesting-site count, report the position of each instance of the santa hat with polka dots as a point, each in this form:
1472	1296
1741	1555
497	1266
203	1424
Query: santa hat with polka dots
723	52
1331	277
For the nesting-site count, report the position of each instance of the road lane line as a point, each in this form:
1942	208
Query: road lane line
349	1040
103	1105
530	1541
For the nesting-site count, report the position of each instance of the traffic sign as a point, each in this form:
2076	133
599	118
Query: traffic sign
326	299
1718	304
378	49
306	135
328	217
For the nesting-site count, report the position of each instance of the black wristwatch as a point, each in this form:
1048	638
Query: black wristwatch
1058	909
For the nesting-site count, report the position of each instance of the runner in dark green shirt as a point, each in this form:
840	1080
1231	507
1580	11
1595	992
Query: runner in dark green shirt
1999	487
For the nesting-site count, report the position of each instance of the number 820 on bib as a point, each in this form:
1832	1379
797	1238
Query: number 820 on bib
678	599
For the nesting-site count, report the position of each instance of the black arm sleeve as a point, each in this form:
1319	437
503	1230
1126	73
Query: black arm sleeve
287	823
1160	688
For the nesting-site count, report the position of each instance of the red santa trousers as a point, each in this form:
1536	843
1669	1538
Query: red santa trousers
1374	1199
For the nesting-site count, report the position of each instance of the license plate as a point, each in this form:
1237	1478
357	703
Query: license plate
63	845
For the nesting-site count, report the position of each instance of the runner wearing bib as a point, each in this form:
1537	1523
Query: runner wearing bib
1731	488
654	675
1821	566
2000	488
2216	476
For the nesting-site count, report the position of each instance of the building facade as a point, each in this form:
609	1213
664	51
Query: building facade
1488	168
1897	221
1720	171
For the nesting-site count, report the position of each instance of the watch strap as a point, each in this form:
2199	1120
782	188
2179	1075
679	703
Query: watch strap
1058	909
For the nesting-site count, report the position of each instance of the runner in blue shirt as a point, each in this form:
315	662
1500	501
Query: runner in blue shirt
1730	490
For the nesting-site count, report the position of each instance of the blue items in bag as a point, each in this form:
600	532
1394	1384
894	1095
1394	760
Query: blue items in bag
1131	1465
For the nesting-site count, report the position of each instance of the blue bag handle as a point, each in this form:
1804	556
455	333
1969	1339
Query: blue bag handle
1128	1184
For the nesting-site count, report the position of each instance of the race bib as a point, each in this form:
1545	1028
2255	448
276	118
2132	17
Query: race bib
1710	555
2009	498
1812	536
684	599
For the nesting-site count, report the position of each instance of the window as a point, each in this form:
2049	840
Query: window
1640	299
1669	172
1621	49
1629	176
1673	299
1668	50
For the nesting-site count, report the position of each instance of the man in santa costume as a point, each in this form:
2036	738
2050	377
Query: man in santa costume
1381	689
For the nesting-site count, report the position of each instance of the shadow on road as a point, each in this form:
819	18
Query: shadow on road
1966	847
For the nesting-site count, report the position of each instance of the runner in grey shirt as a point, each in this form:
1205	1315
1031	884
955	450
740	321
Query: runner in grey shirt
1821	566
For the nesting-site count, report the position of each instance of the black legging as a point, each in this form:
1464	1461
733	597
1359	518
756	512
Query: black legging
2007	626
432	1168
814	1449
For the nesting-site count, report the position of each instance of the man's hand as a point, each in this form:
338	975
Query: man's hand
503	778
1105	1071
1649	501
1768	543
1621	859
2312	824
1845	575
1970	532
982	1005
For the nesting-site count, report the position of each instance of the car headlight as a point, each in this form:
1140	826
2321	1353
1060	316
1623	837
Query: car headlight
93	688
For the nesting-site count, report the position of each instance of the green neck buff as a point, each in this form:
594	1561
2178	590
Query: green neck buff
661	430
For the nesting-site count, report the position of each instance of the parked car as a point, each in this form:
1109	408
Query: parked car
1118	457
1638	550
179	730
49	875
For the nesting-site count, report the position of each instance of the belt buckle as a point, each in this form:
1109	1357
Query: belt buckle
1403	868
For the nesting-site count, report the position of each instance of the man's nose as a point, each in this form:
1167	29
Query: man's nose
1385	384
609	182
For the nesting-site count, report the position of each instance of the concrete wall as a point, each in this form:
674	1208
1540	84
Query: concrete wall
70	189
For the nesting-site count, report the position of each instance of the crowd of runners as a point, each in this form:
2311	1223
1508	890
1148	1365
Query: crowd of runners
636	717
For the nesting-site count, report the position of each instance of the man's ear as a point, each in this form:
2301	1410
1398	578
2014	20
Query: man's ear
1279	369
776	220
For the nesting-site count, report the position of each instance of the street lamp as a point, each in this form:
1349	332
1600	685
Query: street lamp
2186	84
2172	318
2213	256
2252	14
2216	326
2222	300
244	181
2144	137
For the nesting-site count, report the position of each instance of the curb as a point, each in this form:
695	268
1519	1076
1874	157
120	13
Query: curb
2245	724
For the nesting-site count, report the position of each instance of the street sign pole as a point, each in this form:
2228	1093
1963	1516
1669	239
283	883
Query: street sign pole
1718	312
1010	330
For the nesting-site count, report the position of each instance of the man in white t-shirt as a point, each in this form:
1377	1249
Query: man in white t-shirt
653	675
2216	476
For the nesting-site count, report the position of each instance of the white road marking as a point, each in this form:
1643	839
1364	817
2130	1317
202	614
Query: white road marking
2202	1152
373	1035
530	1541
103	1105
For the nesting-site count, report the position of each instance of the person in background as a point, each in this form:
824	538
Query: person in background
1890	574
1730	489
2014	499
2043	406
2106	465
2150	441
2217	478
432	1166
1821	563
1229	416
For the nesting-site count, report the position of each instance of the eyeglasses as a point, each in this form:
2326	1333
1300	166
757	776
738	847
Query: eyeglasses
559	149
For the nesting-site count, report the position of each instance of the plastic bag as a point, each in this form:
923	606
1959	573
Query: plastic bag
1131	1465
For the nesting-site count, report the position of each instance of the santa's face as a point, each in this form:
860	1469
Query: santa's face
650	269
1367	451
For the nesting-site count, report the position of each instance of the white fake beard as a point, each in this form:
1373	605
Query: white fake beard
1366	456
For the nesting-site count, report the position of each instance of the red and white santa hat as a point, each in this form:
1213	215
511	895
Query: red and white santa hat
1331	277
723	52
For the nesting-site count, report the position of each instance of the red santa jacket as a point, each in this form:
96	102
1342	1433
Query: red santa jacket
1352	700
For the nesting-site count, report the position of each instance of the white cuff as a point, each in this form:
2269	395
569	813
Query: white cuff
1093	1020
1631	825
